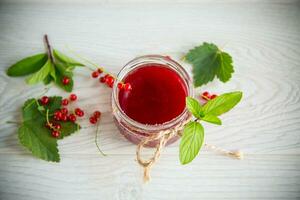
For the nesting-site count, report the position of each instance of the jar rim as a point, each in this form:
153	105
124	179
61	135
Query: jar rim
138	61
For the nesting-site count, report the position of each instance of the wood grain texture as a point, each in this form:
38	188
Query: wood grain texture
264	40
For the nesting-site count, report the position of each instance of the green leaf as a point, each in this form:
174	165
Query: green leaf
222	103
62	72
54	104
37	140
66	59
41	74
53	73
27	65
35	136
194	107
212	119
191	142
47	80
209	61
67	128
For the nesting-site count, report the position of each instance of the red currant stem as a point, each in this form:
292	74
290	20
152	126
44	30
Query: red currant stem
49	49
48	122
96	140
13	122
92	63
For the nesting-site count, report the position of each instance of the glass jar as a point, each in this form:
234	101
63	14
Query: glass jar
135	131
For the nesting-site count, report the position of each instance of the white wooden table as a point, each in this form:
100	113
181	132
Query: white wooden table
263	38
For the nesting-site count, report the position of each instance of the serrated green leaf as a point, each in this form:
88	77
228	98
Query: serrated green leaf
41	74
37	140
67	128
35	136
191	142
209	61
66	59
212	119
194	107
222	103
27	65
54	104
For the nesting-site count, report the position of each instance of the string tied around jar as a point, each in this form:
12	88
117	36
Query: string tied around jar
163	137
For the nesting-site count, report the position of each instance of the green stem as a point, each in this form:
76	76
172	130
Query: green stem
48	122
13	122
96	140
92	63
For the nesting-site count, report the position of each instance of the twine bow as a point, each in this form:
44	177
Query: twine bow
163	137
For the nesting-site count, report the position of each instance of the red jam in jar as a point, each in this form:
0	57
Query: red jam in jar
156	101
158	94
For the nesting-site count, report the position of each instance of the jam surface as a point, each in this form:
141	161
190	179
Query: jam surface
157	96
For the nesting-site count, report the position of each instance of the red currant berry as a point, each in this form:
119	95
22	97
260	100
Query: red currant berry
99	70
79	112
44	100
64	117
110	80
57	126
127	87
120	86
64	111
55	134
72	117
102	79
213	96
73	97
93	120
58	114
56	118
95	74
65	102
65	80
97	114
205	93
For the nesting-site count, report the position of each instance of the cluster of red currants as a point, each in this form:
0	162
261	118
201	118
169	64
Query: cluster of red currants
109	80
62	114
95	117
207	96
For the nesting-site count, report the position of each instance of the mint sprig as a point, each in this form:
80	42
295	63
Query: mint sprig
48	67
35	136
208	62
193	133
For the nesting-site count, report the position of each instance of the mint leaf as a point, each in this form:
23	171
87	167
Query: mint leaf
191	142
209	61
194	107
47	80
41	74
62	72
66	59
52	73
222	103
27	65
212	119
